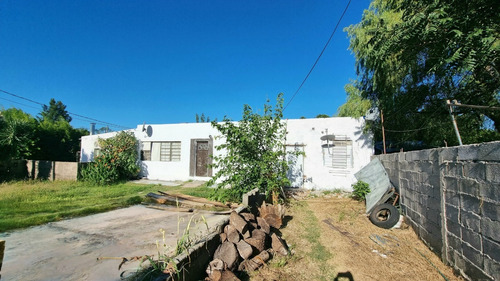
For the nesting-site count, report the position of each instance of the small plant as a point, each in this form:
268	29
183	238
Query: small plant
360	189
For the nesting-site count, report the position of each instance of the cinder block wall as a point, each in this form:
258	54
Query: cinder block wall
52	170
451	198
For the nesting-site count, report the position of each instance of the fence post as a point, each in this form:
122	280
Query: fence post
2	249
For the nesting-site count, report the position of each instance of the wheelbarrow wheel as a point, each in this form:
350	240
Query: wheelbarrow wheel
384	216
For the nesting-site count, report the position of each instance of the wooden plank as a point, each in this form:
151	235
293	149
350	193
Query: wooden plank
2	249
195	199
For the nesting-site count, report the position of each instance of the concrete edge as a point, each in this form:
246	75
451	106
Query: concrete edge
191	263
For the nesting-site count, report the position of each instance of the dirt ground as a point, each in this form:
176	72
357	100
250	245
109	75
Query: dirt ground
345	250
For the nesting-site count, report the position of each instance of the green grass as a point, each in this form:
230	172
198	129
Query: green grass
312	233
29	203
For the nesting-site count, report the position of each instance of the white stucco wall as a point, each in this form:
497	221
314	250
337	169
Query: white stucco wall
305	132
309	132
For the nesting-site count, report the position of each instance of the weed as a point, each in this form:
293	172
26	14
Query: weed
360	189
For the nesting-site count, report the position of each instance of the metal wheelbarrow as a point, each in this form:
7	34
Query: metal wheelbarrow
383	198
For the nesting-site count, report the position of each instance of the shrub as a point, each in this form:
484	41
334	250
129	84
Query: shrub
255	153
360	189
117	161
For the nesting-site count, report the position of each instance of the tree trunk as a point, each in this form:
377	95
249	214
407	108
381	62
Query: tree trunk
278	245
249	217
244	249
272	214
238	222
255	262
227	253
258	240
264	226
232	234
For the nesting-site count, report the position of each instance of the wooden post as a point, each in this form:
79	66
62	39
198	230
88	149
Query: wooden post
2	249
383	131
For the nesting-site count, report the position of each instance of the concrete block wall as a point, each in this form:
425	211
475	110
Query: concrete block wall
52	170
451	197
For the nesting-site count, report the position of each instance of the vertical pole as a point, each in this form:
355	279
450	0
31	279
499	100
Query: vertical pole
454	122
383	131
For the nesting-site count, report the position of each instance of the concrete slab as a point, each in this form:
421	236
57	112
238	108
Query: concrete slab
68	250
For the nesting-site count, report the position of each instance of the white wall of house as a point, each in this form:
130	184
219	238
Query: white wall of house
318	170
313	170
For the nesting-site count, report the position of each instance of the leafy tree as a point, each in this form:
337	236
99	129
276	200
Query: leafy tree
254	153
117	161
203	119
355	106
322	116
55	111
58	141
413	55
17	134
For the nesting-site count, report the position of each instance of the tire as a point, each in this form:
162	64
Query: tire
384	216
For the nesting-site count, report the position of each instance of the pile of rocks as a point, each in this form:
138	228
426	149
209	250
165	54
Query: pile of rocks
247	243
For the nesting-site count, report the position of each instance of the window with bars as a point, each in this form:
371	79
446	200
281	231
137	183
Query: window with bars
167	151
337	154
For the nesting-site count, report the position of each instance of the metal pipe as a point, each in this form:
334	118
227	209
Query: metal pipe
454	122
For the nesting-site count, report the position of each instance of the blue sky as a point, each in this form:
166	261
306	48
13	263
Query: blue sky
128	62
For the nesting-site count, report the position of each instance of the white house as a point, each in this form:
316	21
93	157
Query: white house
334	149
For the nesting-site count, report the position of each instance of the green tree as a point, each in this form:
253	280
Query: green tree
58	141
254	152
117	161
413	55
18	138
55	111
356	106
322	116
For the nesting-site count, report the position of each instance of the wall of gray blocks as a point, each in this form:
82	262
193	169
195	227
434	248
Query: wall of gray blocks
451	198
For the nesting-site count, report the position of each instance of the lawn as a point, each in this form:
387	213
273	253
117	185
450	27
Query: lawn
29	203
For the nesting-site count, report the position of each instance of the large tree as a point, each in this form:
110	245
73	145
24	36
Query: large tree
412	56
18	139
55	111
356	106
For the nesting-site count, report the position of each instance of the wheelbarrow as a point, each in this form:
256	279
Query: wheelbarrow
383	197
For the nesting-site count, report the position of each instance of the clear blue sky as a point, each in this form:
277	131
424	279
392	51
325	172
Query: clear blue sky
128	62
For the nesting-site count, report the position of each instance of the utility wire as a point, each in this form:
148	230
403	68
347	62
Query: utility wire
71	113
322	51
25	105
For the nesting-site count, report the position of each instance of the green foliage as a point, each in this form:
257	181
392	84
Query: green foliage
17	134
254	153
322	116
413	55
360	189
56	200
55	111
58	141
356	106
117	161
24	137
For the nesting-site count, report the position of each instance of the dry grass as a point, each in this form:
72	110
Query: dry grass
323	253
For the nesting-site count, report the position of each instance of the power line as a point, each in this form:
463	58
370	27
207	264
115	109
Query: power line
20	103
25	105
322	51
71	113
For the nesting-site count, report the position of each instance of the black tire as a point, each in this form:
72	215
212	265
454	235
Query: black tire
384	216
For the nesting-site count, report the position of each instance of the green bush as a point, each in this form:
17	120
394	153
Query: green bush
360	189
254	155
118	160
